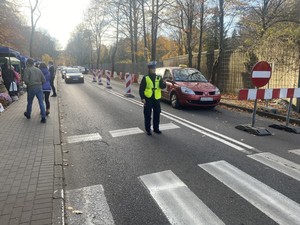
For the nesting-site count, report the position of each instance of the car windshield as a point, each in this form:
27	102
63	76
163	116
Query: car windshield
73	70
188	75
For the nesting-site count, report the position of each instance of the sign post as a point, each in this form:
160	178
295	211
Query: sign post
261	74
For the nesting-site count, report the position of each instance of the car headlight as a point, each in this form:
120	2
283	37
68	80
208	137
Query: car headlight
217	91
186	90
81	76
68	77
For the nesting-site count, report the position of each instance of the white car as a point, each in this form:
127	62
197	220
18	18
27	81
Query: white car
73	75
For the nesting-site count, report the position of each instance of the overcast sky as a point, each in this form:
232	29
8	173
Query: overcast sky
60	17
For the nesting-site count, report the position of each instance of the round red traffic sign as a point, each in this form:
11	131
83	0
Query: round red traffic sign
261	73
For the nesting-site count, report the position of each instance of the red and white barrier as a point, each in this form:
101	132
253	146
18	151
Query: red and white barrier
108	79
128	83
252	94
100	77
94	75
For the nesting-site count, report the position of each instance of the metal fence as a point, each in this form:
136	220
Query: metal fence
235	68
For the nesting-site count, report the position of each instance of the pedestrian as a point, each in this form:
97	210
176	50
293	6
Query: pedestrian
8	77
52	72
46	86
150	93
17	79
34	79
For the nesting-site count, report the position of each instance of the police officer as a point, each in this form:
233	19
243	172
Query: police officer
150	93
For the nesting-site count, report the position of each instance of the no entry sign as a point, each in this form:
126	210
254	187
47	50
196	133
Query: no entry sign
261	74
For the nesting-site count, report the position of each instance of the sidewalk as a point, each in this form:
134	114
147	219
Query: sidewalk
31	172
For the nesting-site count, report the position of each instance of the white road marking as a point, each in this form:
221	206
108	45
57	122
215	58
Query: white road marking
84	137
277	163
210	133
177	201
168	126
125	132
297	151
275	205
91	203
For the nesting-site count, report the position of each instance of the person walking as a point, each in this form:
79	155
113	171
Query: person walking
150	93
52	72
34	79
8	77
46	86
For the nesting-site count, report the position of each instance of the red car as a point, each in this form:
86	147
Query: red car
188	87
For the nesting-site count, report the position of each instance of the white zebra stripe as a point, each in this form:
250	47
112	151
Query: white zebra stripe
91	204
125	132
177	201
275	205
277	163
297	151
84	137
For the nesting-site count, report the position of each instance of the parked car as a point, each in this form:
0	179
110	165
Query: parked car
73	75
188	87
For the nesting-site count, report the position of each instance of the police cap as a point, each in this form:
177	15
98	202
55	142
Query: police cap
152	65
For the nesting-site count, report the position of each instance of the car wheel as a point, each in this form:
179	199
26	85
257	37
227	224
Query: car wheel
174	101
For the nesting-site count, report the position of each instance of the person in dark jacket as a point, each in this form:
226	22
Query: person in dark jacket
8	77
150	93
46	86
52	72
34	79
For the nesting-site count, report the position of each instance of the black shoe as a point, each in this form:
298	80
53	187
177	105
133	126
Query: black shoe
157	131
149	133
26	115
43	120
53	95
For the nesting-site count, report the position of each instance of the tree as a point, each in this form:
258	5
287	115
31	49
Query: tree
12	28
79	46
98	23
35	15
201	34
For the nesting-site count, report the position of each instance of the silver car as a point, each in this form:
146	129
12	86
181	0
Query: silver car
73	75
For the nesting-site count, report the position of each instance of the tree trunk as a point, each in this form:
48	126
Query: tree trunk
200	36
145	33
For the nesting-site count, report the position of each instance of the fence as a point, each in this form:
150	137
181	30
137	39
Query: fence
235	70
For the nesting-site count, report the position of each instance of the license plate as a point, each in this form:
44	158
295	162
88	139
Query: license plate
206	99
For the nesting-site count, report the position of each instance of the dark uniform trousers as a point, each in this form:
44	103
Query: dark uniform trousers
155	105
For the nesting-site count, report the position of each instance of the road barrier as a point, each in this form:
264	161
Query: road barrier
266	94
94	75
128	81
100	77
107	73
252	94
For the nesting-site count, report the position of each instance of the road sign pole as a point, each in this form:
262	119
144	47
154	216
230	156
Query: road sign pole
289	112
254	112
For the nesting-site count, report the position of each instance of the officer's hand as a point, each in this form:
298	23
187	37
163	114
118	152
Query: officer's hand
144	101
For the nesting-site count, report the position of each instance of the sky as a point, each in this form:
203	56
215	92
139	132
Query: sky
60	17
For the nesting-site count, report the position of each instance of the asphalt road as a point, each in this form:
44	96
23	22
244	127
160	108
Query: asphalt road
200	170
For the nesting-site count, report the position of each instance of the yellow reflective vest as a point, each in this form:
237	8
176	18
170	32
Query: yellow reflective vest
150	87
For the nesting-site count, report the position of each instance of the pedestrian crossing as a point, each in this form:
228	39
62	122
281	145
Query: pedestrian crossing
181	206
116	133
